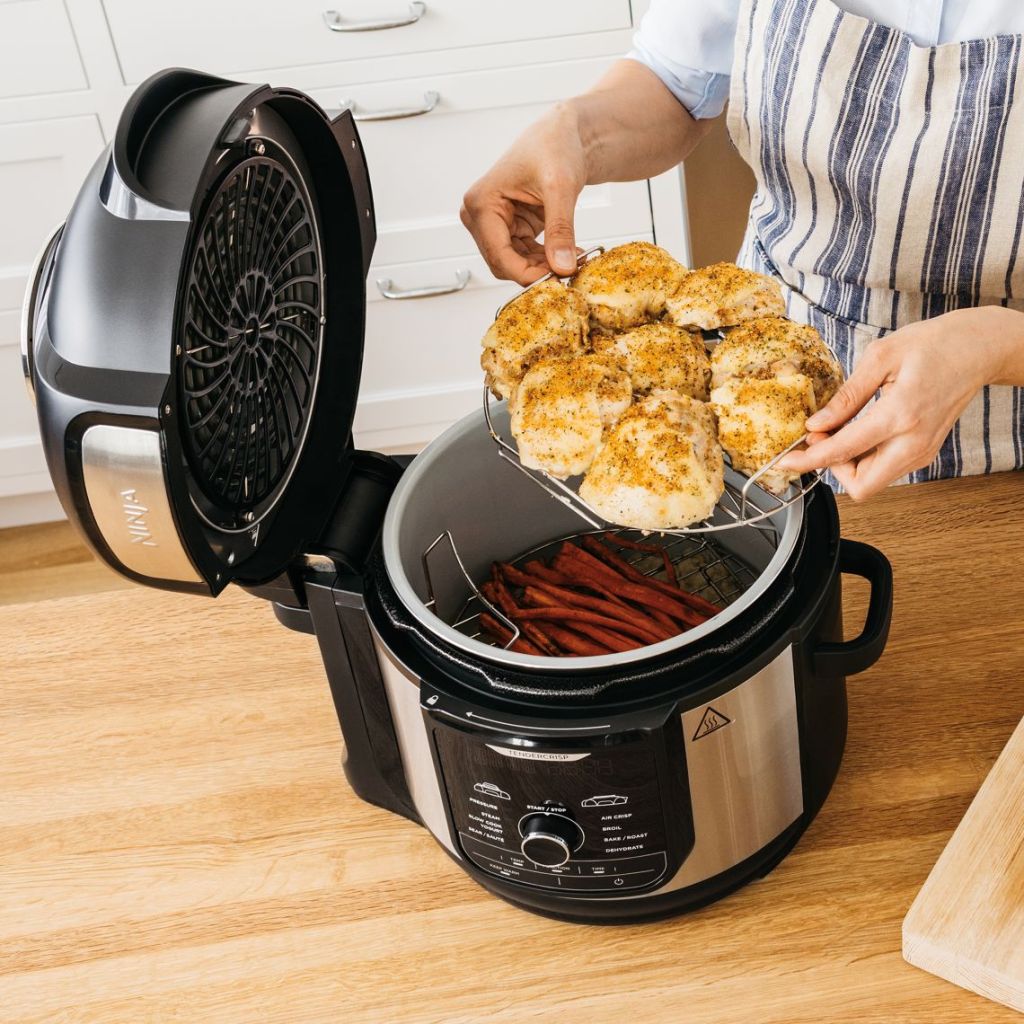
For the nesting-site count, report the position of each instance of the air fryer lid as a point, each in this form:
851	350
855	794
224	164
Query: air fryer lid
195	335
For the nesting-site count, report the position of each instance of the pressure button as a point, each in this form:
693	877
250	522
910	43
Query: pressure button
549	839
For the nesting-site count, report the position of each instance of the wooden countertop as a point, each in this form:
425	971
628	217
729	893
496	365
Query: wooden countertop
177	841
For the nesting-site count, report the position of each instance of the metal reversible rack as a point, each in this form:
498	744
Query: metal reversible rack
736	507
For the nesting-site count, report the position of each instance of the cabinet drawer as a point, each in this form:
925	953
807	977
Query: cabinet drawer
38	53
428	343
421	165
421	363
235	35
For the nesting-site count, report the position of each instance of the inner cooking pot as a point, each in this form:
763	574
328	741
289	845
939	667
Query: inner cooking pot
459	507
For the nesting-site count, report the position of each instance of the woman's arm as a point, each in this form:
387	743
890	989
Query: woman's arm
632	127
927	373
628	127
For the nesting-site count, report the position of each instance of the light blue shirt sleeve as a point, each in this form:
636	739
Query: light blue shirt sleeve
688	44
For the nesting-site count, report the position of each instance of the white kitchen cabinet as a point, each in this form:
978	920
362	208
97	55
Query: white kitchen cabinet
66	69
38	51
247	35
420	165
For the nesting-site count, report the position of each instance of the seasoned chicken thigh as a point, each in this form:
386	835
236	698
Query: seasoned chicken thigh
660	467
547	319
768	376
759	417
768	342
661	356
628	285
723	295
561	408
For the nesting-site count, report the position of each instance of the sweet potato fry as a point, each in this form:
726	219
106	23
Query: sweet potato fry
635	591
578	577
613	561
651	549
545	572
607	604
573	643
497	593
573	579
550	595
523	578
677	592
589	601
569	615
613	641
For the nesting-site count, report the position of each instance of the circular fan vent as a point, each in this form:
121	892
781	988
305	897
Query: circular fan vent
251	334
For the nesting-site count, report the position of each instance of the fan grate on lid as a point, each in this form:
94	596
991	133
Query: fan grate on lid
249	350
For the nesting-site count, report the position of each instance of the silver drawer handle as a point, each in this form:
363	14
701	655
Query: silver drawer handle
387	288
336	23
430	100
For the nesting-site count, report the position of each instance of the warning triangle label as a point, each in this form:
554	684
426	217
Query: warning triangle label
712	721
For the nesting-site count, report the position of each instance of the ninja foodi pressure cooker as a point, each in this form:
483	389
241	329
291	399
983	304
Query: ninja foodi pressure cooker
193	337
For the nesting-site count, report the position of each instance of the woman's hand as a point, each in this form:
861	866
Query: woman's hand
927	373
628	127
532	189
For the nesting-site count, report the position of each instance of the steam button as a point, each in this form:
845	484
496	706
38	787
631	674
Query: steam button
549	840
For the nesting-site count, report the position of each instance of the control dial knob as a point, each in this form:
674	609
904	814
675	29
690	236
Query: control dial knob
549	839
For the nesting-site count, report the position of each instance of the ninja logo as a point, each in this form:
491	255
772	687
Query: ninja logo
135	517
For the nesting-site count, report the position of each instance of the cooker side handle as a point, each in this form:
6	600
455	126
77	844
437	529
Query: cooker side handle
848	657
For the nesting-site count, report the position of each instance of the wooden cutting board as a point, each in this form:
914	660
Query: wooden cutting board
967	923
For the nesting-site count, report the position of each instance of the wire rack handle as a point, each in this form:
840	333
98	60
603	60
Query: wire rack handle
474	590
582	259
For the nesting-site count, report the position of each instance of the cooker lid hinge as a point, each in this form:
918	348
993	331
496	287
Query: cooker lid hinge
344	544
353	526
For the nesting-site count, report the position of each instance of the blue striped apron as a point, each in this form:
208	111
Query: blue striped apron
890	187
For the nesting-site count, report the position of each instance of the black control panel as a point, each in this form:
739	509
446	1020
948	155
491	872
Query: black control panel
575	820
